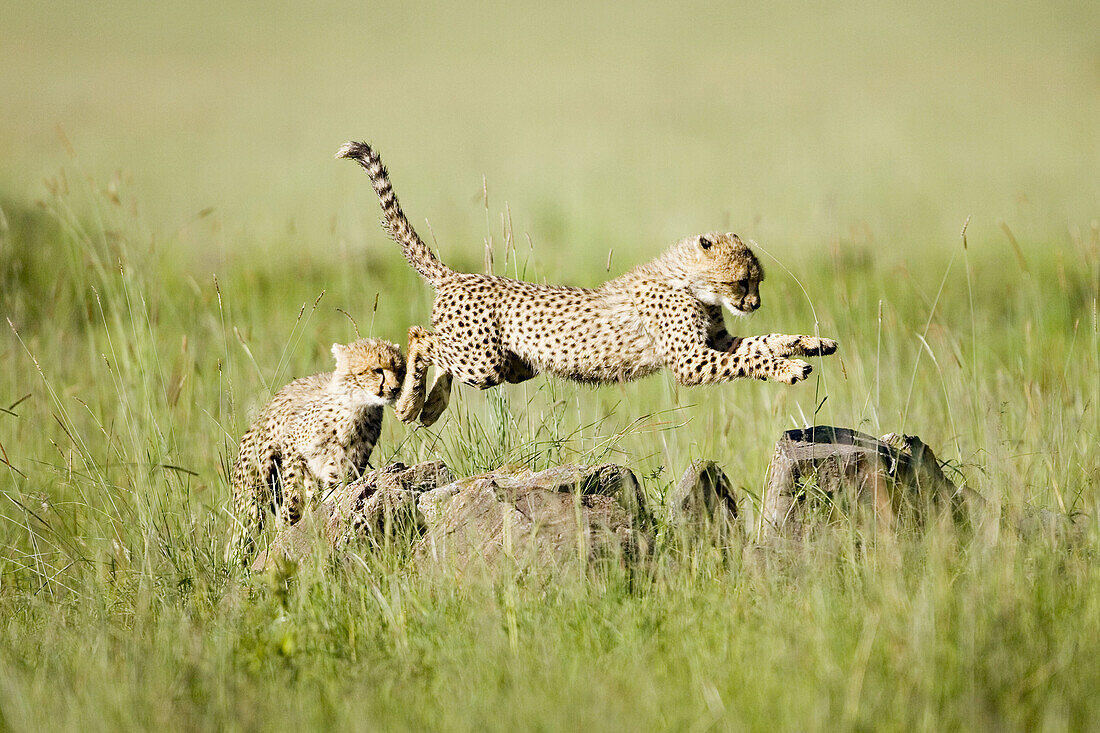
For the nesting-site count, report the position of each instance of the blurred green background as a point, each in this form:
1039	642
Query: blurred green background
794	123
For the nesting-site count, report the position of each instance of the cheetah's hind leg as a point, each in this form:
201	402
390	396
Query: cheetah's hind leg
294	476
411	400
437	400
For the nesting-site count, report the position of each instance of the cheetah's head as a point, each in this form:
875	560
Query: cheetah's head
720	269
369	370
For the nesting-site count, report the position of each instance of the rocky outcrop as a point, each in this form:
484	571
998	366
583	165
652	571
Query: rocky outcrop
702	499
893	475
379	504
576	513
555	516
551	517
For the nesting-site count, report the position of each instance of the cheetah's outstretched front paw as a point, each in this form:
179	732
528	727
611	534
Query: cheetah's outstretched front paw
790	371
814	346
790	345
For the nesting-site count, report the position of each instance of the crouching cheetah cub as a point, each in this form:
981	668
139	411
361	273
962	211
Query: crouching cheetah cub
664	314
315	433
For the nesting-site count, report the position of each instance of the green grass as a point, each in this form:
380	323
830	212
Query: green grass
176	243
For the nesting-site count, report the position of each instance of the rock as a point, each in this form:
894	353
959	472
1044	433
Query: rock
550	517
553	517
703	495
383	500
892	475
366	506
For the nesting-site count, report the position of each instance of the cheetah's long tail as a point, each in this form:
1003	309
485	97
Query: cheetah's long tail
394	222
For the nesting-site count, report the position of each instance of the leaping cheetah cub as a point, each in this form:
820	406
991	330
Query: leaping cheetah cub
314	433
667	313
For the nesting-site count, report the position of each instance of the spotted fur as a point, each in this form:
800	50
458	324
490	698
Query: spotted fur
664	314
315	433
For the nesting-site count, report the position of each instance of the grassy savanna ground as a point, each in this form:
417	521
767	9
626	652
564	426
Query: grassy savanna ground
176	242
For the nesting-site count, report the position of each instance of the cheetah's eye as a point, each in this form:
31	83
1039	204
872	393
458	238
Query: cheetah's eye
704	242
379	372
743	284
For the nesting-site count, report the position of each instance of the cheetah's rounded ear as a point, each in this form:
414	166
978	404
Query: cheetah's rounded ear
704	242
